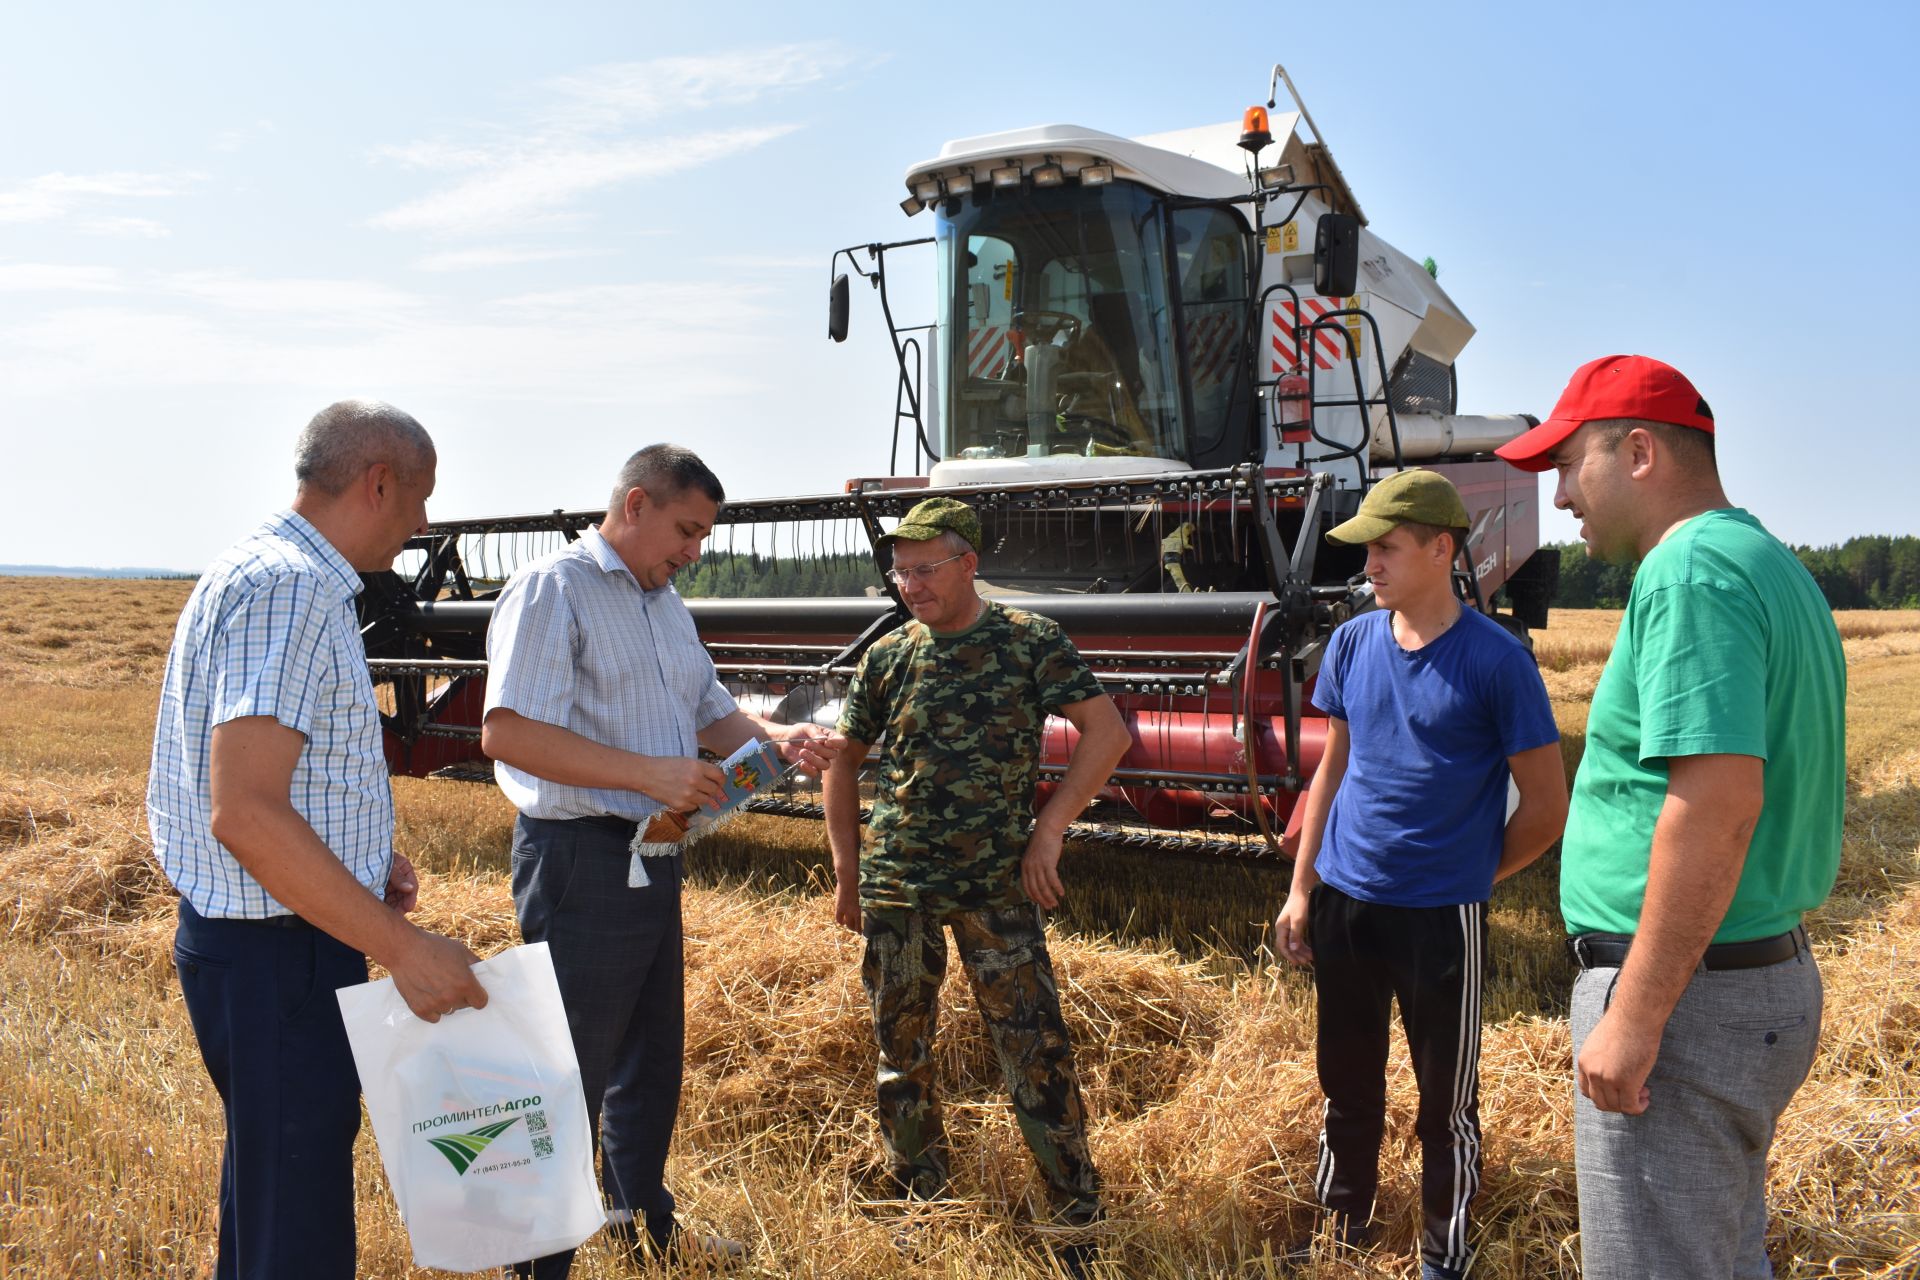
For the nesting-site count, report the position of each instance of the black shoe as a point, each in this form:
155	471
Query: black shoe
697	1246
1076	1260
1434	1271
679	1246
1334	1235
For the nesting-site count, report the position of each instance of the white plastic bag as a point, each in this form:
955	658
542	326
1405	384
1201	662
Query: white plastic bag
480	1119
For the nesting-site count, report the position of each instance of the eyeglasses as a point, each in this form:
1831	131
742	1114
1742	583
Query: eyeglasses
920	572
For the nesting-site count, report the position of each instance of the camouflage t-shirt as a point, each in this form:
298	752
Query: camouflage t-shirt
958	719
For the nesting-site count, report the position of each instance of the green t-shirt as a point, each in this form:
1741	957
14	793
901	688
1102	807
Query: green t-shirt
958	719
1727	647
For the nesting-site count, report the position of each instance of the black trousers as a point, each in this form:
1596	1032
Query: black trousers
1430	959
260	997
619	958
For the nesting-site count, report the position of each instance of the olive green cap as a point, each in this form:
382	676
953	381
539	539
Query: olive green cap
1418	496
934	517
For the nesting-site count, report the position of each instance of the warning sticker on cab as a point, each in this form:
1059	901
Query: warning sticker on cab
1284	239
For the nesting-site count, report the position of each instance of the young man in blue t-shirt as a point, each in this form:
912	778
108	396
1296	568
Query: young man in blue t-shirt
1431	707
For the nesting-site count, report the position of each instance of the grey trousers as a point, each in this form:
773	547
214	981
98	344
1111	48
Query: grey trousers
1679	1191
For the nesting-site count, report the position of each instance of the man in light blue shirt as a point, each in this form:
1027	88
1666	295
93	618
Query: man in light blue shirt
271	814
599	696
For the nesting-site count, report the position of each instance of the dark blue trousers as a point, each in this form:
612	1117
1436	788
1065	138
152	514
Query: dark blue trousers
260	997
618	955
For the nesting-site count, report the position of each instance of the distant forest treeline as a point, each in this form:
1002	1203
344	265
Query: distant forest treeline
1860	573
745	576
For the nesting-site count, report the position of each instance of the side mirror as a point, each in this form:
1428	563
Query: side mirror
837	309
1336	255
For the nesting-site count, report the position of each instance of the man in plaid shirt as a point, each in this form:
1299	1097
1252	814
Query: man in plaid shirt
271	814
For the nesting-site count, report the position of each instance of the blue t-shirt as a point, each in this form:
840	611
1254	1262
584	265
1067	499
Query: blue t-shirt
1421	813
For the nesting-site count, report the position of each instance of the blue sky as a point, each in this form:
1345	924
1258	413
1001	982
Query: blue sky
555	234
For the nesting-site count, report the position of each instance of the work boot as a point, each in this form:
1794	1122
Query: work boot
915	1217
909	1237
1072	1237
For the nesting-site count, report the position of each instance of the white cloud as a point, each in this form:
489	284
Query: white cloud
240	136
676	306
498	256
123	228
47	277
621	93
292	298
678	343
536	187
60	195
435	155
764	262
583	138
353	301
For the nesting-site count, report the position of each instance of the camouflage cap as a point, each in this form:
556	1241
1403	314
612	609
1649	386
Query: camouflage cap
1418	496
934	517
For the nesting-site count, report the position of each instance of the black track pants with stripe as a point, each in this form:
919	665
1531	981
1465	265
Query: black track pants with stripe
1431	959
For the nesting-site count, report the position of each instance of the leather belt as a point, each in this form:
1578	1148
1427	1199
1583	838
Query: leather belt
275	922
624	827
288	921
1609	950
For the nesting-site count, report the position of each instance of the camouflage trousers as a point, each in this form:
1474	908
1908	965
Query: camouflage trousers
1004	951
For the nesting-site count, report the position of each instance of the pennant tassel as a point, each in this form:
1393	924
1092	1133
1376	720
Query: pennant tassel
667	833
637	877
659	838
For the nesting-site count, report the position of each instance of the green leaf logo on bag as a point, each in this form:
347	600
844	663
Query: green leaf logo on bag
462	1149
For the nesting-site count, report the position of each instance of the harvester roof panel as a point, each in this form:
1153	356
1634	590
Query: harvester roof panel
1164	170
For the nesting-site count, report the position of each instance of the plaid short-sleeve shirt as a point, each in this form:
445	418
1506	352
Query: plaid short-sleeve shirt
270	630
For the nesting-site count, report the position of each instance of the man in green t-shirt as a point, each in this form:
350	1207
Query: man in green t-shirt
957	700
1705	820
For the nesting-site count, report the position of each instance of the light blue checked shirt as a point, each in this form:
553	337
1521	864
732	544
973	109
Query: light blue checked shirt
270	630
575	641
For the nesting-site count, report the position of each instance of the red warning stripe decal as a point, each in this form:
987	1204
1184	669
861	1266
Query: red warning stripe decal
1327	349
989	351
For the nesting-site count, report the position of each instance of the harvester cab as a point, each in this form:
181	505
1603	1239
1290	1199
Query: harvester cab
1187	302
1159	369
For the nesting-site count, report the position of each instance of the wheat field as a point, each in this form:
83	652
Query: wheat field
1195	1051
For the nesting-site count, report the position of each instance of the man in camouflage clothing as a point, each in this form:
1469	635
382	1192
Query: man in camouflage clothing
958	700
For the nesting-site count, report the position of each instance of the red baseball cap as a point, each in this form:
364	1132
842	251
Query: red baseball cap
1612	387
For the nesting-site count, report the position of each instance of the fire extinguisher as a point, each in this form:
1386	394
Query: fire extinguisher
1296	407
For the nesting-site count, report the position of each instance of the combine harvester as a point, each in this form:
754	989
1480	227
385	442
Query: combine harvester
1160	369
